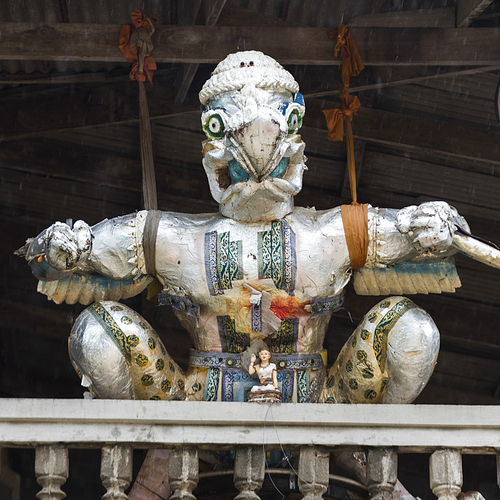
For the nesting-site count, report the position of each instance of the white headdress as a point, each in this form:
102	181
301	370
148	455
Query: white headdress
250	67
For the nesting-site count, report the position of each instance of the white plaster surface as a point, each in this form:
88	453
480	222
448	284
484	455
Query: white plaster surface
26	422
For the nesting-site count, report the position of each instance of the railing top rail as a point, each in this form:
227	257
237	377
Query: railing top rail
26	422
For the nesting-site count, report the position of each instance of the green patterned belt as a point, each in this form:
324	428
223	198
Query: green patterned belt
224	360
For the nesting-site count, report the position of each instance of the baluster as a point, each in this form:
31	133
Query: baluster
249	470
183	472
51	470
381	472
116	471
446	474
498	468
314	468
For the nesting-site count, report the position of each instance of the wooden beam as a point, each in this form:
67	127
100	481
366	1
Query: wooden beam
214	9
288	45
188	71
51	79
415	133
395	81
468	10
27	115
118	76
25	118
434	18
185	78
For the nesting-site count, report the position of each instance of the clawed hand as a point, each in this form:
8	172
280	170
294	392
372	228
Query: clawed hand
430	226
67	248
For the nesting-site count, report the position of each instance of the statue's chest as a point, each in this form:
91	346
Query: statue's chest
222	260
251	256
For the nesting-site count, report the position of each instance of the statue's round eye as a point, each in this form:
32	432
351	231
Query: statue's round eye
214	127
294	121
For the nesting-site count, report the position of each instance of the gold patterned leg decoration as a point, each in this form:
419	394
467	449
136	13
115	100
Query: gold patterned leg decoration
112	347
366	369
196	377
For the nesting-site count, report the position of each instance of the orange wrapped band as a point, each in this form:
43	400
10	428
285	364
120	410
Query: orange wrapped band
355	220
354	216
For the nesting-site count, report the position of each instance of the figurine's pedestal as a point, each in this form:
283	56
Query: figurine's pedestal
264	397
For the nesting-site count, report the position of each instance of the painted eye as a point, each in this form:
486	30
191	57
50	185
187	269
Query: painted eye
214	127
294	121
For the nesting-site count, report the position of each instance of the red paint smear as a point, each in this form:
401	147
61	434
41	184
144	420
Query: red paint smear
287	307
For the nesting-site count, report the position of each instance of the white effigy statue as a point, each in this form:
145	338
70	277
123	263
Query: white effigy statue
259	270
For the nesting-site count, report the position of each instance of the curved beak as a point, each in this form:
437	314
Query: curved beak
256	145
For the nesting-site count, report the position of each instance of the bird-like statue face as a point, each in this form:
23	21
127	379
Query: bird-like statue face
254	157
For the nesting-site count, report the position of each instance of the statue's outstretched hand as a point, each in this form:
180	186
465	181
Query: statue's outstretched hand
430	226
64	248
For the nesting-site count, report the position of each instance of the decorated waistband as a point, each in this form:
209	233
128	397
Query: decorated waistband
226	360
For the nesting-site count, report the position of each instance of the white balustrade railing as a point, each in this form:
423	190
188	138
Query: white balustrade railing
117	427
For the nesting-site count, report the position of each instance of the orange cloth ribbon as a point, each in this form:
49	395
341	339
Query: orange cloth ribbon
135	43
354	216
352	64
335	118
355	221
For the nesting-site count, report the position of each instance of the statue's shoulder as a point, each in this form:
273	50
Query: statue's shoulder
311	217
178	219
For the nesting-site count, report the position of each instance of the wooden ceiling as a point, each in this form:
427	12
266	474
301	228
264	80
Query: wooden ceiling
69	148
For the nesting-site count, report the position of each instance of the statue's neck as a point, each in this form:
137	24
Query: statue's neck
255	213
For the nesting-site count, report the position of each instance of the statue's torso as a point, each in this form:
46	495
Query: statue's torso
211	265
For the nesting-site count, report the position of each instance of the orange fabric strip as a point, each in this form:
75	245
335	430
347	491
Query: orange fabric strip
351	166
131	53
124	36
355	220
352	64
335	117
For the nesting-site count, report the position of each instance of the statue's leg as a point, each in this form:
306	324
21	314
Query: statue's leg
388	359
119	356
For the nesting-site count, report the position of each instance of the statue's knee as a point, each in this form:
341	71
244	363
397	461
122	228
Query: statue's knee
388	359
119	356
412	350
101	366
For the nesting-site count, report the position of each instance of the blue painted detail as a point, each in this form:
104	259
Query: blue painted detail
289	258
326	305
256	311
280	170
237	172
299	99
227	385
283	107
211	263
43	271
180	303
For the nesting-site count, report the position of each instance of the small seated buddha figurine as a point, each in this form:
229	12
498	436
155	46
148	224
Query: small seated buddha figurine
267	391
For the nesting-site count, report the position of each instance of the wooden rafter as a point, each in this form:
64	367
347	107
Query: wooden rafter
425	75
372	125
415	133
188	71
435	18
468	10
289	45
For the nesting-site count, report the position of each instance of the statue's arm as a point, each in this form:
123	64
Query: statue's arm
111	248
415	232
